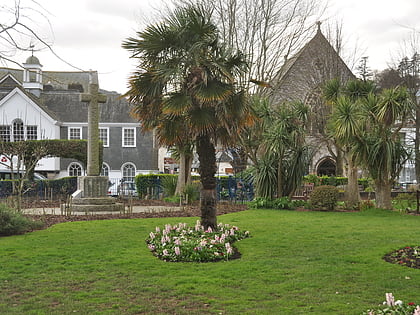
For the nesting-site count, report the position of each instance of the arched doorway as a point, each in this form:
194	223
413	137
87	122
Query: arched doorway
326	167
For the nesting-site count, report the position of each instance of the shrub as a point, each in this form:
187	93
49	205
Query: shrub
405	202
169	185
192	191
13	222
324	197
366	205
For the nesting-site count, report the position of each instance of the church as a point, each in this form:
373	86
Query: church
301	79
36	104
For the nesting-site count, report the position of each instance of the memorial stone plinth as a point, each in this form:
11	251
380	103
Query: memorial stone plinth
91	194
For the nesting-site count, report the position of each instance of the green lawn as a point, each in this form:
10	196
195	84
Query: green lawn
294	263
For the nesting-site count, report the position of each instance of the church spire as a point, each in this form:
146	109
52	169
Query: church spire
318	23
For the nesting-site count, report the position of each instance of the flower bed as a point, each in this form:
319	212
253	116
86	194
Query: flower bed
395	307
408	256
195	244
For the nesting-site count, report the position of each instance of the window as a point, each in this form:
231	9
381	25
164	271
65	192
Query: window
105	170
129	137
75	133
75	169
31	132
104	136
18	130
5	133
129	172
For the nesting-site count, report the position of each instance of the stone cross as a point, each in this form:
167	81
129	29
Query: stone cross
93	97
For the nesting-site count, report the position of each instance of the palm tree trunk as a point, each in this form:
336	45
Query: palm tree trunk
180	185
383	194
353	196
280	177
207	170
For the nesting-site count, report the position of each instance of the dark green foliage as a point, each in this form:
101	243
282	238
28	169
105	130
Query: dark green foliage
13	222
283	203
169	185
324	197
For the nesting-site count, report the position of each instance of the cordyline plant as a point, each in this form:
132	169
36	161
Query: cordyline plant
180	243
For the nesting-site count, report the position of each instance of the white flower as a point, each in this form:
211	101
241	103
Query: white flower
398	302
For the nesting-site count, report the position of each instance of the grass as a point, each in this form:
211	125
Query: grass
294	263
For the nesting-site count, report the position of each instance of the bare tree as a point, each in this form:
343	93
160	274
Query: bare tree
18	28
267	31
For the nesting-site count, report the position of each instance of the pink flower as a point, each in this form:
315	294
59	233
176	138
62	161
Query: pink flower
165	252
389	299
152	235
177	251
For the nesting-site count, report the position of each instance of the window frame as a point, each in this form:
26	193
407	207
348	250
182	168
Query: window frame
76	164
74	128
123	136
105	144
123	173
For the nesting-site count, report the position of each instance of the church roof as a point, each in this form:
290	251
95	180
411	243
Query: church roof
316	63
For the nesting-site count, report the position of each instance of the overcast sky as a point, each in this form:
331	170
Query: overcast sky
88	33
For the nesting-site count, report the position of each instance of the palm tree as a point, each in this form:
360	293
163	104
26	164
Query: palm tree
186	76
282	152
345	124
380	148
367	125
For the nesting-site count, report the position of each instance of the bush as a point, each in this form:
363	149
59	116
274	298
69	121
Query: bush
13	222
192	191
405	202
169	185
324	197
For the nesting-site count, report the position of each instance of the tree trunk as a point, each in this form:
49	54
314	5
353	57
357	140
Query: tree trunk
383	194
180	184
339	162
207	158
353	196
184	175
280	178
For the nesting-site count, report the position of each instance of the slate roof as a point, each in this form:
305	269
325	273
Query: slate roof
61	96
316	63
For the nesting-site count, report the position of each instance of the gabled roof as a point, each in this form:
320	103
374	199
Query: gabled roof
31	99
316	63
9	81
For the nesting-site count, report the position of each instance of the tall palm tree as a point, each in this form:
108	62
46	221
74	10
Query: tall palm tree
185	74
380	148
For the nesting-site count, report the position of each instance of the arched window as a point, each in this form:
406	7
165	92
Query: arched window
18	130
105	170
129	172
75	169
